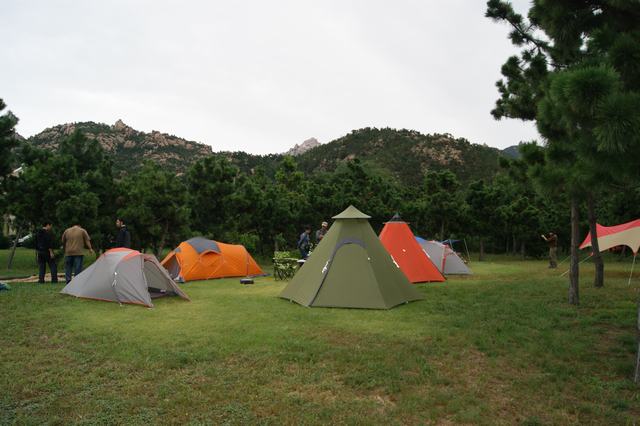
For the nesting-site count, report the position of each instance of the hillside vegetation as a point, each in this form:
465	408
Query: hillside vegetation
406	155
128	147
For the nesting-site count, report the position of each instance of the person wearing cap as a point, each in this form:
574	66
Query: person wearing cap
320	232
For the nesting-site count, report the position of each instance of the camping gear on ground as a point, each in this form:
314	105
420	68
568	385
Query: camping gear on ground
246	281
125	276
4	287
285	265
350	269
397	238
442	255
625	234
202	259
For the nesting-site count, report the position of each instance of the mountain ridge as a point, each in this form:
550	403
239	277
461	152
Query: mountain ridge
405	155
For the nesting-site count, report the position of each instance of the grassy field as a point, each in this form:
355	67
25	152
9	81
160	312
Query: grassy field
501	347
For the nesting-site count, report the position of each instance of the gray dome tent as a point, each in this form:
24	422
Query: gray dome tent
125	276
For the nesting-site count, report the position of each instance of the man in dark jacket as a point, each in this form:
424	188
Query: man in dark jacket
304	243
44	252
123	239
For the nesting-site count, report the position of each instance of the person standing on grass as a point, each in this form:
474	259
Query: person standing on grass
44	253
321	232
123	239
74	240
552	241
304	243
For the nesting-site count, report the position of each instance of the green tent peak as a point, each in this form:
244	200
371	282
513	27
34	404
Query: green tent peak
351	213
396	218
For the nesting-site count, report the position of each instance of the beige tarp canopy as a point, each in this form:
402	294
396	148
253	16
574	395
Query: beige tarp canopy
626	234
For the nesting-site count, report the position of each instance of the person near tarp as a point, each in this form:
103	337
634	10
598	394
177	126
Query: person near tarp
74	240
320	233
304	243
123	238
44	253
552	241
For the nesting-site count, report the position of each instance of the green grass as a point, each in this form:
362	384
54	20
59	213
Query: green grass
501	347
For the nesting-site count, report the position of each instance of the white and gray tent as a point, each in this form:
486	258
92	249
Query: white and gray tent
125	276
446	260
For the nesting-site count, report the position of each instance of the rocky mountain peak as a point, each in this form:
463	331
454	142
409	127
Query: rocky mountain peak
303	147
119	125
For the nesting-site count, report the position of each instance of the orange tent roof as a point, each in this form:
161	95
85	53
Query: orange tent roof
400	242
203	259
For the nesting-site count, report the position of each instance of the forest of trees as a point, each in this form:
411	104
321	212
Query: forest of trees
215	199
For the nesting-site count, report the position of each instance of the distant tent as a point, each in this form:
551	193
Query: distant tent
442	255
125	276
626	234
203	259
397	238
350	269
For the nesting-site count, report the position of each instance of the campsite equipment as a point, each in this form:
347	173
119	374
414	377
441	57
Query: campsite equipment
125	276
397	238
4	287
350	269
202	259
246	281
625	234
285	265
446	260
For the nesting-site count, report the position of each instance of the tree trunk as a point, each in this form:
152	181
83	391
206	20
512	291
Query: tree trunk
13	249
442	231
574	274
481	256
514	246
522	250
598	280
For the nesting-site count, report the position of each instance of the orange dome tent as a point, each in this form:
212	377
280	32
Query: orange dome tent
397	238
202	259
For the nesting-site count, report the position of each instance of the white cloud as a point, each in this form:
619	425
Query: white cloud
257	76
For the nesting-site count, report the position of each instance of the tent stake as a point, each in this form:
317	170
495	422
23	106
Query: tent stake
632	265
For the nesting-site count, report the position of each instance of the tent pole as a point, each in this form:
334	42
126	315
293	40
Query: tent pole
632	265
467	249
578	264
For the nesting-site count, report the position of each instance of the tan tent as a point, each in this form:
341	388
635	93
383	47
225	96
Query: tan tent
350	269
125	276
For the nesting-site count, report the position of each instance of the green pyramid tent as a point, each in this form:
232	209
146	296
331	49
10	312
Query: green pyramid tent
350	269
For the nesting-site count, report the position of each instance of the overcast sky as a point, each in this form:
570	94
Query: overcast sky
257	76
